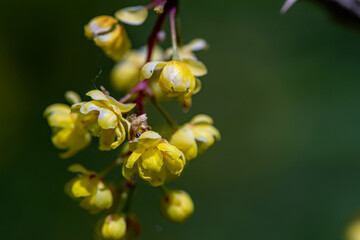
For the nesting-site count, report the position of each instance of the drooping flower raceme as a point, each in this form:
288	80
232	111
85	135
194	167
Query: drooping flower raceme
154	159
145	74
109	35
196	136
89	187
103	118
69	132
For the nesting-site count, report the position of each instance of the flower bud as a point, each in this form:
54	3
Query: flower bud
177	79
114	227
177	206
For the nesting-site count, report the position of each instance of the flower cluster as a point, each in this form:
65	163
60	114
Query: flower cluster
146	73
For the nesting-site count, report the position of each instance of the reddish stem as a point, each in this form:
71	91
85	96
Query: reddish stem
153	36
143	86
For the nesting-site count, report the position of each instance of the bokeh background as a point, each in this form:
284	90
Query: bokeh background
283	90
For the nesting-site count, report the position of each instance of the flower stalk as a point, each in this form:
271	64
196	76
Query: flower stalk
144	154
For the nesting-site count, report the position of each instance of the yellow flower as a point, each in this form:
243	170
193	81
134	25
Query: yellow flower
109	35
177	206
103	117
89	187
195	137
353	231
177	78
154	159
69	133
187	51
126	73
114	227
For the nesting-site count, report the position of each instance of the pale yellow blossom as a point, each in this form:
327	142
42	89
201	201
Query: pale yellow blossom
196	136
103	118
177	78
108	34
90	188
69	132
154	159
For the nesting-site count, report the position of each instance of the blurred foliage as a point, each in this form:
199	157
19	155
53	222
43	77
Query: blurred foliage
283	90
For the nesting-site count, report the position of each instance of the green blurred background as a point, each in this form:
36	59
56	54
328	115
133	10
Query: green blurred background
283	90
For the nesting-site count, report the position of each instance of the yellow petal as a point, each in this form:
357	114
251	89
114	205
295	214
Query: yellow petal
132	15
208	128
197	86
69	153
120	136
186	102
149	139
192	152
110	41
150	135
79	168
107	119
196	45
96	95
61	138
75	108
214	132
184	140
129	172
154	178
99	25
202	118
110	101
149	68
134	157
124	107
204	135
152	160
90	106
57	108
72	97
117	50
196	67
103	197
83	187
173	158
61	120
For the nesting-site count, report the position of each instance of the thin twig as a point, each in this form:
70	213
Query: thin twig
163	112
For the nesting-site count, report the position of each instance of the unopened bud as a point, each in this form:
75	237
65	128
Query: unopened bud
114	227
159	9
177	206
